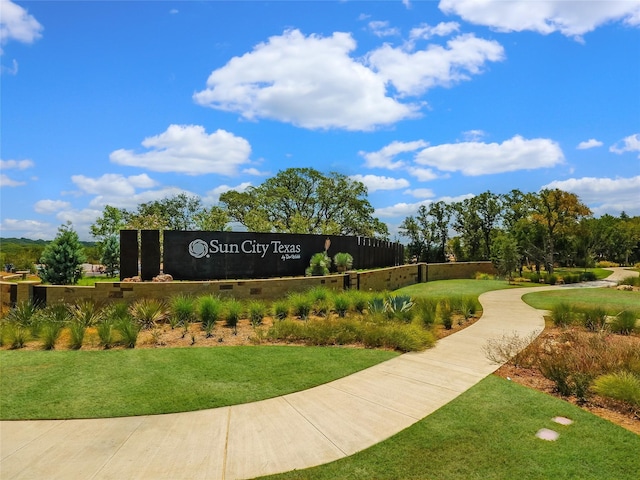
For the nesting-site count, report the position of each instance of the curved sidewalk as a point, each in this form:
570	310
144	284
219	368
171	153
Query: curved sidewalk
294	431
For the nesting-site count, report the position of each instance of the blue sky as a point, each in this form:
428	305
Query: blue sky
120	103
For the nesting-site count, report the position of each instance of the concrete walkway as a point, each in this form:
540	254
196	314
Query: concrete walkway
295	431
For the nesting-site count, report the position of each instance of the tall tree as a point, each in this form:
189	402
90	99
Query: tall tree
63	258
467	224
213	219
557	212
303	200
109	223
488	207
111	255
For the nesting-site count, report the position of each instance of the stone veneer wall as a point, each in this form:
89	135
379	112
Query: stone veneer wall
389	279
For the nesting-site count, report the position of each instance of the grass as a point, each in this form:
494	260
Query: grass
489	433
86	384
613	301
447	288
600	273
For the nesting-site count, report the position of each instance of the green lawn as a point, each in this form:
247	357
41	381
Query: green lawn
600	273
448	288
77	384
613	301
91	281
489	433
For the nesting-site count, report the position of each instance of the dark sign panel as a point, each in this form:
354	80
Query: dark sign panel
199	255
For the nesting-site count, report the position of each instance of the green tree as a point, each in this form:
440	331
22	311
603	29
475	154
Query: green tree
303	200
557	212
178	212
505	255
109	223
111	255
467	224
428	232
62	259
213	219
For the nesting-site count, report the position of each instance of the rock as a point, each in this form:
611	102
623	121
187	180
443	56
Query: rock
133	279
626	288
163	277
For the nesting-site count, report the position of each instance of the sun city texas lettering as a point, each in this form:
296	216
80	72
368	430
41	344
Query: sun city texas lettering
200	249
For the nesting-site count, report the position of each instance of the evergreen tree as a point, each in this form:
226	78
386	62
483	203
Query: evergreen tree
63	258
111	255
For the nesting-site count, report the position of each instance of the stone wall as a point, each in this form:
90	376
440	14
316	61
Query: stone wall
382	279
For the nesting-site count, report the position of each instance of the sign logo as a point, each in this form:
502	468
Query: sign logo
199	248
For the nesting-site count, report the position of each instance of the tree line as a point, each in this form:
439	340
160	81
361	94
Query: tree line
539	229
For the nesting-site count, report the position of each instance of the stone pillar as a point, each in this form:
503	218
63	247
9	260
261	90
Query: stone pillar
128	254
149	254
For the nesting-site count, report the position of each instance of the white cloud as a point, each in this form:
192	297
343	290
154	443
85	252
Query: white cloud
11	227
420	193
50	206
423	174
16	164
400	209
6	181
475	158
473	135
413	73
604	195
113	184
570	18
629	144
309	81
426	31
591	143
190	150
213	196
384	158
131	202
375	182
17	24
382	29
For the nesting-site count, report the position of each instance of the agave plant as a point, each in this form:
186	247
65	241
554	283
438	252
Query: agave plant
343	261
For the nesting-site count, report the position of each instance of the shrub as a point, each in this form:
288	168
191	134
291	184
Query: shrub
63	258
510	348
605	264
233	314
633	281
359	300
343	261
623	386
257	310
23	313
550	279
106	333
182	310
77	330
594	319
534	277
17	336
445	313
341	304
281	309
86	313
50	333
624	323
319	264
562	314
587	277
148	312
426	311
129	329
209	310
301	304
